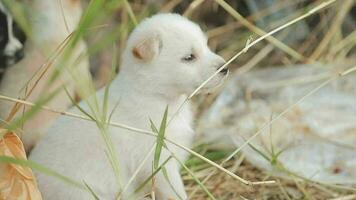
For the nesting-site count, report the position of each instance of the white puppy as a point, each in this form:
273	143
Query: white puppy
49	30
166	58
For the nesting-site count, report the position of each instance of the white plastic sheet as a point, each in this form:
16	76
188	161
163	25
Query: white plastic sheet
316	138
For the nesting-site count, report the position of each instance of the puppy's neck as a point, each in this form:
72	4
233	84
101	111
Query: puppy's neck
132	85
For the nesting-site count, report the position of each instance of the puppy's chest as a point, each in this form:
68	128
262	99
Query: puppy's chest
179	125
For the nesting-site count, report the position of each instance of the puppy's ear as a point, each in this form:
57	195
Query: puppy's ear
147	49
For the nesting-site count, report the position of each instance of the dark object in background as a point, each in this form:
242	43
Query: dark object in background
12	40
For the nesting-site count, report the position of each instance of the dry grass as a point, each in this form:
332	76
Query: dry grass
287	187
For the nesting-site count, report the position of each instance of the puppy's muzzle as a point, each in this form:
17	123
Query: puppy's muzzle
225	70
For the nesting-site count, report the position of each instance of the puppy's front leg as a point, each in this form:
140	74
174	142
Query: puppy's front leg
174	189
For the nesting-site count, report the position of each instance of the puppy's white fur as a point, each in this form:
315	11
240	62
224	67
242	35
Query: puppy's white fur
48	31
153	74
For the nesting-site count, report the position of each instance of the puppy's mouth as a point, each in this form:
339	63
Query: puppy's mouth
211	88
225	71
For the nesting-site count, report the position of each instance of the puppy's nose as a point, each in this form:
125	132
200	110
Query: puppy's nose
224	71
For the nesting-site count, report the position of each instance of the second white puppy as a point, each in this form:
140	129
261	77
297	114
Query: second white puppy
166	58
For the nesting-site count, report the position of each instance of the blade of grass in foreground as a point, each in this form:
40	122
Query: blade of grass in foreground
107	87
49	172
134	175
91	191
36	108
202	186
160	144
142	185
42	169
110	148
165	174
102	123
160	138
93	11
77	106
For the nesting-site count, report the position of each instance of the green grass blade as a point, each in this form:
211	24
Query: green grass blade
215	155
201	185
142	185
113	111
165	174
107	87
153	127
111	154
160	139
36	108
260	152
131	13
96	197
77	105
42	169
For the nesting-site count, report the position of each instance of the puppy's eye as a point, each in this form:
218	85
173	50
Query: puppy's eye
189	58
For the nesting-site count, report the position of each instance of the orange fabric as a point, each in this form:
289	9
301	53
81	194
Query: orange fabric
16	182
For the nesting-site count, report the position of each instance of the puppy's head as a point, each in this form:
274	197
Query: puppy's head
170	53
